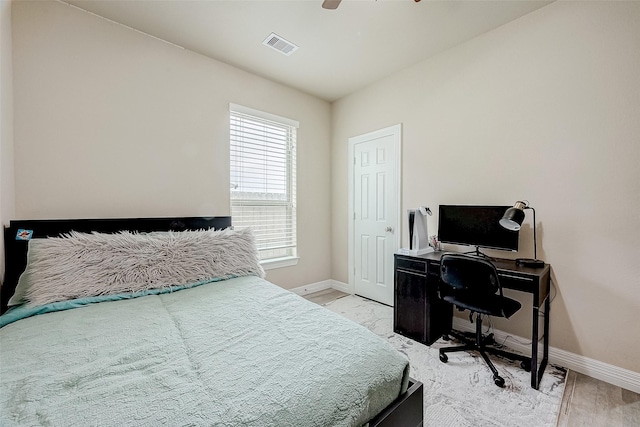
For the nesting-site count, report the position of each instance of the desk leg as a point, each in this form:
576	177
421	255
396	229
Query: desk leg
536	372
545	348
534	349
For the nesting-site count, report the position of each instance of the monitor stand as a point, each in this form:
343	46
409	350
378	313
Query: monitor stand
478	253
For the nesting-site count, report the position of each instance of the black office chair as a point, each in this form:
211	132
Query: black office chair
471	283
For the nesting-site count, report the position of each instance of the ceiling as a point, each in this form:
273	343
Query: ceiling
340	51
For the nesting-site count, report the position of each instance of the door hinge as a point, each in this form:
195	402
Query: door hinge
354	160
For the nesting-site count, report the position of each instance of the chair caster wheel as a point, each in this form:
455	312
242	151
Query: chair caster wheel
526	365
443	358
499	381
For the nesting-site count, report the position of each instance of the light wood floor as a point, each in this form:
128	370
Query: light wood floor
323	297
586	402
589	402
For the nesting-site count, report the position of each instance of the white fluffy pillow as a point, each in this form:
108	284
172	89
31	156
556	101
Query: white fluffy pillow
82	265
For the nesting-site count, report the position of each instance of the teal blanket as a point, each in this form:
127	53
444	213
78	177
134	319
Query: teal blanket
239	352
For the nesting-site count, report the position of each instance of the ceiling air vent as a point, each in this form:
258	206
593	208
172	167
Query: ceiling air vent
283	46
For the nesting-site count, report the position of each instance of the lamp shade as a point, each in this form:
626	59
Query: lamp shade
513	217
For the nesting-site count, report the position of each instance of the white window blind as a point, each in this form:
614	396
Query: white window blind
263	179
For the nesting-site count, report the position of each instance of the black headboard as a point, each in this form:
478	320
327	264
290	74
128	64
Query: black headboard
16	250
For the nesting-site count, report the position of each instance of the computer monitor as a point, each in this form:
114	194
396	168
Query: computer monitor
475	226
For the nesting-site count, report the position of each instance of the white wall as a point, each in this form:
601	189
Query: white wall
110	122
545	108
6	124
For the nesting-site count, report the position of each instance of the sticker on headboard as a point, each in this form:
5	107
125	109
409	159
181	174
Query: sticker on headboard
23	234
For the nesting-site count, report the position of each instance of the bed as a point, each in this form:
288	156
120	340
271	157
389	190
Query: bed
217	347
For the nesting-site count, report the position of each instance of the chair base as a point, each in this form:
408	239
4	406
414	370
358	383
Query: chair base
480	345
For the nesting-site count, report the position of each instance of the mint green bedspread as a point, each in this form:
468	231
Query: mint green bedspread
239	352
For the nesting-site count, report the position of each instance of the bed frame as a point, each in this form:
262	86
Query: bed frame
406	411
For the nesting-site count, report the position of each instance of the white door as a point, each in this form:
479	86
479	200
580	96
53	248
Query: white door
375	206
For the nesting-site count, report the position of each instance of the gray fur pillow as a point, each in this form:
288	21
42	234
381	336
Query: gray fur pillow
81	265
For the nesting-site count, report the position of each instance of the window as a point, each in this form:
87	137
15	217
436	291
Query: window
263	181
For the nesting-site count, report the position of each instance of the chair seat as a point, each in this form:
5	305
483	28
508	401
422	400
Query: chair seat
472	283
493	305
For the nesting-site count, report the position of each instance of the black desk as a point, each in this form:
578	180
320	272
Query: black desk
419	314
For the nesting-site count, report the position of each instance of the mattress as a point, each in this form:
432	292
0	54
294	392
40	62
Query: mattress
227	353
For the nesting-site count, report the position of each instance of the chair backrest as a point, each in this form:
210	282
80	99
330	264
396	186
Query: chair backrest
469	273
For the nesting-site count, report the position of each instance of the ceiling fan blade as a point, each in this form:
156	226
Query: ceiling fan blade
331	4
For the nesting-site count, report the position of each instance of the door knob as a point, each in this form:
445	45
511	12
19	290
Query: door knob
388	229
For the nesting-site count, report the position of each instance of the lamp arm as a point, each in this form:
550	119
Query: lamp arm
535	250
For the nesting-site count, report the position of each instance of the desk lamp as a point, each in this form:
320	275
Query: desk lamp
512	220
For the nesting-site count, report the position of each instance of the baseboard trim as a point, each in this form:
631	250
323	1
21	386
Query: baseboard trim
321	286
611	374
341	286
313	287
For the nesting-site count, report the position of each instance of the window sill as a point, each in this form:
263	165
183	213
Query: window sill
270	264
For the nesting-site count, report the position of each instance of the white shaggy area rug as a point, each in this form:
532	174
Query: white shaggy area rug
461	392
